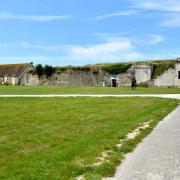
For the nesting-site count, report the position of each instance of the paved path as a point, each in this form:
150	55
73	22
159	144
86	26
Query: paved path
172	96
158	156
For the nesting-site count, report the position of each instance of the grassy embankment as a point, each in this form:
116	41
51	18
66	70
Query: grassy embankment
60	138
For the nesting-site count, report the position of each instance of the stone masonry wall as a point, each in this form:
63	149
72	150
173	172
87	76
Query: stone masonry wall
71	78
97	77
166	79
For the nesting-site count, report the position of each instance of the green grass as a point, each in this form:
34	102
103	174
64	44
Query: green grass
60	138
83	90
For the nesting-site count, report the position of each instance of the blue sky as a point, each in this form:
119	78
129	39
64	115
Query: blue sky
78	32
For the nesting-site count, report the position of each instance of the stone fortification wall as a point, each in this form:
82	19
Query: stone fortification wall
92	77
142	72
166	79
97	77
71	78
169	78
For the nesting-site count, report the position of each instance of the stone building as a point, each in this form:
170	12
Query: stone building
14	74
170	78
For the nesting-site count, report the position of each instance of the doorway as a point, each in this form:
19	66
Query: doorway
114	83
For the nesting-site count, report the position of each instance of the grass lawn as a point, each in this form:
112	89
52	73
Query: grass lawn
60	138
83	90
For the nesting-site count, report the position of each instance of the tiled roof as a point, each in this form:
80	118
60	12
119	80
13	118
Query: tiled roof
13	69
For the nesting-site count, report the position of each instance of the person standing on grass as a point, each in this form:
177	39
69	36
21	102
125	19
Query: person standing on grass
133	83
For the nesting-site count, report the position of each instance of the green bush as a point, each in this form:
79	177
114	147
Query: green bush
78	68
116	69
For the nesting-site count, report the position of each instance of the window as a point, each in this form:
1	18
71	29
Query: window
179	75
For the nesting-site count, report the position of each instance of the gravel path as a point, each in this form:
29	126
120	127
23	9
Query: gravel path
172	96
158	156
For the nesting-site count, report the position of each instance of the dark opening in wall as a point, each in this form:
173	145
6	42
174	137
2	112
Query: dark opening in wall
179	75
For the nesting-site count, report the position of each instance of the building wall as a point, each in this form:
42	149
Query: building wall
23	78
98	77
31	79
92	77
124	79
167	79
1	80
14	80
71	78
177	80
142	72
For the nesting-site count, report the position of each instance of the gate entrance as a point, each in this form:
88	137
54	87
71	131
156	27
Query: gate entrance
113	82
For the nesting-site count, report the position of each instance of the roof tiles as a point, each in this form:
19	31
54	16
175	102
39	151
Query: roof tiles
13	69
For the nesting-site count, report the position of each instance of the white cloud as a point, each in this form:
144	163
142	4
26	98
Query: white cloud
172	20
158	5
169	9
151	39
156	39
100	49
114	47
27	45
108	51
43	18
116	14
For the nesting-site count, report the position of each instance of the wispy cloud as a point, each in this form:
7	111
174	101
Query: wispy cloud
116	14
37	46
39	18
27	45
113	48
172	20
155	39
150	39
157	5
107	51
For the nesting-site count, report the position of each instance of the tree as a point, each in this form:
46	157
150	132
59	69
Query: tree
48	70
39	70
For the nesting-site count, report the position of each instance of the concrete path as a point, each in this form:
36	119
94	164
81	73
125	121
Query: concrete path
172	96
158	156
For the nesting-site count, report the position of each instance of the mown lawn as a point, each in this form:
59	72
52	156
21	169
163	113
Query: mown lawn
83	90
60	138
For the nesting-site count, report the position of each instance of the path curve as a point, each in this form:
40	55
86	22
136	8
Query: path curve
158	156
172	96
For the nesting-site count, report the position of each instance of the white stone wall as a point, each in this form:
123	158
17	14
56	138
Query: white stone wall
177	80
142	72
167	79
31	80
1	80
93	77
71	78
97	78
15	80
124	79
